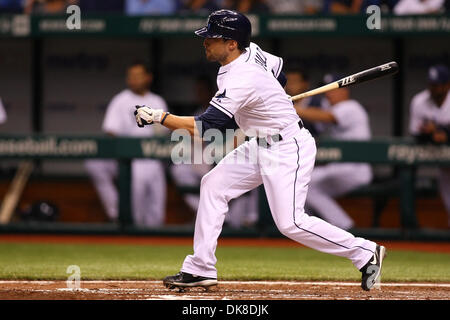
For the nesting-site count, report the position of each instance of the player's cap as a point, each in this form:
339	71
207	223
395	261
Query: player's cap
438	74
227	24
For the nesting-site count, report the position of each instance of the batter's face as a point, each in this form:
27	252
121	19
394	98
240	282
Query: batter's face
219	50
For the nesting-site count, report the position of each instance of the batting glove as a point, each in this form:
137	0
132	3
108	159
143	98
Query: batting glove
146	115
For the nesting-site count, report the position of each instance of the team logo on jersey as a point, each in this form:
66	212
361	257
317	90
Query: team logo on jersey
221	95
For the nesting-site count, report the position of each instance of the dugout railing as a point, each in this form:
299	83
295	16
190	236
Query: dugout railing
402	154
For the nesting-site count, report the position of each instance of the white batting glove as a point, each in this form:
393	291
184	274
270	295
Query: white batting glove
146	115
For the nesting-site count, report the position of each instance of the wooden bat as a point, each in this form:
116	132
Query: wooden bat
14	192
360	77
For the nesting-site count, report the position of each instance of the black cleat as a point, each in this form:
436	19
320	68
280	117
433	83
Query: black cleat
183	280
371	272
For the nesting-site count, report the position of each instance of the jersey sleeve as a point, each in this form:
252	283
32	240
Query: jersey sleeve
275	63
232	97
213	118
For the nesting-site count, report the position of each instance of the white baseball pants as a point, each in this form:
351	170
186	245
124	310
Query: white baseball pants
243	211
285	170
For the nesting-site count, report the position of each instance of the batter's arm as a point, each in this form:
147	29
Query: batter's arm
211	118
174	122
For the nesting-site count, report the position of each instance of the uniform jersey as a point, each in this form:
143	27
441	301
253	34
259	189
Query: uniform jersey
119	119
352	122
2	113
424	108
249	91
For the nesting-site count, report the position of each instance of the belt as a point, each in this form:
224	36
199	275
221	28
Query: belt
262	142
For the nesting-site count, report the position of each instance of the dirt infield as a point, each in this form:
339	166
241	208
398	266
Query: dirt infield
226	290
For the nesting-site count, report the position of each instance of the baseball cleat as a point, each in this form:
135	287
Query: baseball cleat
184	280
371	272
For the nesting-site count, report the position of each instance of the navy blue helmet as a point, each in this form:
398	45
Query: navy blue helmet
227	24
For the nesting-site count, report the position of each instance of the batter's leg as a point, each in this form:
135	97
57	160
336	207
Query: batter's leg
226	181
287	207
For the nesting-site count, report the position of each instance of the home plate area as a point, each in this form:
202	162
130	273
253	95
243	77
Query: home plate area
226	290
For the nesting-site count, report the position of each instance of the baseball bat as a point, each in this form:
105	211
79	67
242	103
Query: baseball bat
12	197
360	77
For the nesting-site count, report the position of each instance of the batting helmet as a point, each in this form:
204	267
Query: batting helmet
227	24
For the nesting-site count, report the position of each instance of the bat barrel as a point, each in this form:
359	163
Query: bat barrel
363	76
370	74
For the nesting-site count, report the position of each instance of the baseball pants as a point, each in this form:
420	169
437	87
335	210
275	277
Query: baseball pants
285	170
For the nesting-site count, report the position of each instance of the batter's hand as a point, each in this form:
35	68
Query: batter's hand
146	115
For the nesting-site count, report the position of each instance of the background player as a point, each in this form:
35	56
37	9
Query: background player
148	182
430	120
250	95
3	116
347	120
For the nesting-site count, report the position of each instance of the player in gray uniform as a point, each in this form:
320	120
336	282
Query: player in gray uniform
430	119
346	120
251	96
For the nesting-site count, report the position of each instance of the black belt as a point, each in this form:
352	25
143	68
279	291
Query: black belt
262	142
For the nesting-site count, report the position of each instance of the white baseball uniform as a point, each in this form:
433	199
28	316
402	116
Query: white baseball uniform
243	211
148	183
424	108
249	91
2	113
335	179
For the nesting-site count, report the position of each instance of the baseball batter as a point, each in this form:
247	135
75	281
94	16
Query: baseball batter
251	96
